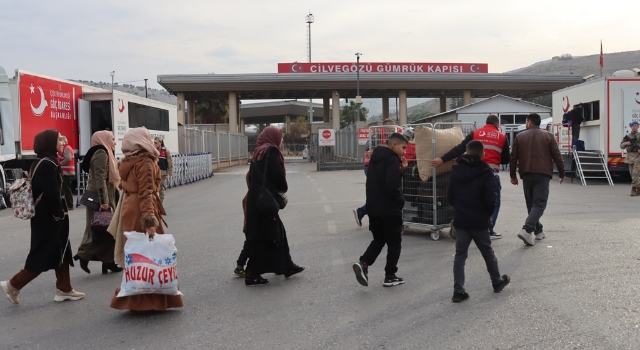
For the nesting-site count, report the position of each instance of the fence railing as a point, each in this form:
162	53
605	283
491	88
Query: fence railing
189	168
223	146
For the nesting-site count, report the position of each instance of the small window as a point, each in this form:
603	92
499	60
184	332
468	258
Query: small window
506	118
150	117
521	119
595	110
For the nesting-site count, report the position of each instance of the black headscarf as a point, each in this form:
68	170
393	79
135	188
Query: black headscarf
45	144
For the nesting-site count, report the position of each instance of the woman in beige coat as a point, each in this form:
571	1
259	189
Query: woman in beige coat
141	211
101	165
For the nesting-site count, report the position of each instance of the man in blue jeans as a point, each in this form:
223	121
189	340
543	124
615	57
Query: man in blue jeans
534	151
496	152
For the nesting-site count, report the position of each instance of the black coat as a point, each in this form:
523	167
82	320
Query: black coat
472	193
50	225
384	179
261	227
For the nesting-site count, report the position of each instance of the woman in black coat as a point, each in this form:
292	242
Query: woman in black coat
266	237
50	247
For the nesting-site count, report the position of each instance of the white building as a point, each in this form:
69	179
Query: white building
511	111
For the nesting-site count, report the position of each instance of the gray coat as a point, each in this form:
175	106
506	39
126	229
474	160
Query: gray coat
98	182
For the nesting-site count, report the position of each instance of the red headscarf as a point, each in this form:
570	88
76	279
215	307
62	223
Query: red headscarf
269	137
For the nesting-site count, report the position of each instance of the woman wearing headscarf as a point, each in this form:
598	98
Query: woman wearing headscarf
141	211
100	164
50	247
266	237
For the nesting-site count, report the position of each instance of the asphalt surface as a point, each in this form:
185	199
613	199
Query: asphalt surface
576	289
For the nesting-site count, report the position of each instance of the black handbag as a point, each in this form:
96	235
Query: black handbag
281	198
266	202
90	200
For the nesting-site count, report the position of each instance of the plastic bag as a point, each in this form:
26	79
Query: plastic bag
150	266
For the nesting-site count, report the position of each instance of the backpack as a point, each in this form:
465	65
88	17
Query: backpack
21	196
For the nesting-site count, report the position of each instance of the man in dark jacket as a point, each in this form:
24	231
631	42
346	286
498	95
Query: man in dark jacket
496	147
472	193
384	206
574	118
534	151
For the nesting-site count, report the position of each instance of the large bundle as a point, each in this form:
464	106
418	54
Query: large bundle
445	140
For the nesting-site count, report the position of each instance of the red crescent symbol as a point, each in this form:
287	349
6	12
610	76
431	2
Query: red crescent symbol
293	68
471	68
121	108
566	109
637	94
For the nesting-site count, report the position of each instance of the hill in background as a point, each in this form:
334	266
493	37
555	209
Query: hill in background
153	94
559	65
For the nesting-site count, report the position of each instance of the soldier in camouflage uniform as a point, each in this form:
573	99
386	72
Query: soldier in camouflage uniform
631	143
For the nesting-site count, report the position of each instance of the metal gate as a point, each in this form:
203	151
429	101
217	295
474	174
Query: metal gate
347	154
424	186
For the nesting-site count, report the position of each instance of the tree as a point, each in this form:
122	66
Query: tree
349	114
211	111
455	103
296	128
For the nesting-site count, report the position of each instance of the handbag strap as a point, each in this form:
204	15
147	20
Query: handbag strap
264	174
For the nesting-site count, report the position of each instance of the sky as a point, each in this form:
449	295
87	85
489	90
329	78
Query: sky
140	39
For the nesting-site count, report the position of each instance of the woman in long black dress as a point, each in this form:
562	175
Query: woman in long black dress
266	236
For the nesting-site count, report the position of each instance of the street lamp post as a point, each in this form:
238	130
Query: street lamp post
309	19
358	97
113	73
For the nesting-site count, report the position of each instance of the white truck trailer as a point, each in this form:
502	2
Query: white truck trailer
610	104
30	103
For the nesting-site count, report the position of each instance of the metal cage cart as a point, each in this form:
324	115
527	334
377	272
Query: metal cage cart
424	186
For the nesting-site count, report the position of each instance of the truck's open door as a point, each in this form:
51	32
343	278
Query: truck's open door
84	125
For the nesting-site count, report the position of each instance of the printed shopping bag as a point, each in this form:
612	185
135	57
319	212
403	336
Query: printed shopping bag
150	266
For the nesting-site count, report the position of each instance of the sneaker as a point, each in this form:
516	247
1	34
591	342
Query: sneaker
497	288
239	271
540	236
393	280
494	235
361	272
526	237
72	295
356	214
459	296
10	292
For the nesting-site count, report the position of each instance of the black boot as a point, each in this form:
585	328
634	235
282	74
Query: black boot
110	266
293	270
84	264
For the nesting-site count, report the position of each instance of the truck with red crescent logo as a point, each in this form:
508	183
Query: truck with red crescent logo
609	105
31	103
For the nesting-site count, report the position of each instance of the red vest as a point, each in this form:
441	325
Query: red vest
69	169
384	134
494	141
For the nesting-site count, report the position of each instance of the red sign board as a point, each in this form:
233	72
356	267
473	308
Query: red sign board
363	135
47	104
380	67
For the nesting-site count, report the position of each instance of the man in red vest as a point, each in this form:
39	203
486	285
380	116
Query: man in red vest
67	163
496	152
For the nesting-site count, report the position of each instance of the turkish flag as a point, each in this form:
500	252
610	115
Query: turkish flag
601	56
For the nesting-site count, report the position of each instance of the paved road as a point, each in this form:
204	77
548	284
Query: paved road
577	289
